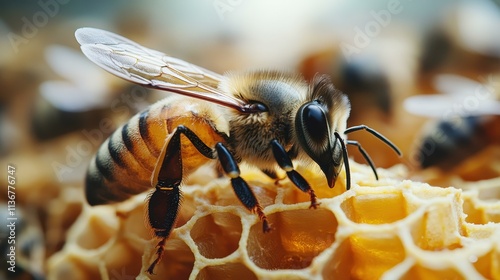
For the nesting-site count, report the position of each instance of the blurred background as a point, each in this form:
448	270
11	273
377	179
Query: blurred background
424	74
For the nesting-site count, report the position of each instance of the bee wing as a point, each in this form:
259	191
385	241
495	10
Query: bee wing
447	105
455	84
462	97
133	62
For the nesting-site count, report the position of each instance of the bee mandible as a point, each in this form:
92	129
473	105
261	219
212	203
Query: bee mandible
264	118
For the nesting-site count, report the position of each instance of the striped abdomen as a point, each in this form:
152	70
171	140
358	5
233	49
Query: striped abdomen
125	162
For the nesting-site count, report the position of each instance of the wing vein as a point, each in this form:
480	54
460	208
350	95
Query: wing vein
133	62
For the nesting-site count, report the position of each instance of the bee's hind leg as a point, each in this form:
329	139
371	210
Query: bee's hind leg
241	188
163	203
284	161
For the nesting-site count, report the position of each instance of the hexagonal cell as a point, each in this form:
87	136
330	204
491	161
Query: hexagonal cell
71	213
122	259
136	224
95	233
436	230
297	236
186	211
226	271
474	214
177	262
365	256
488	190
217	235
205	173
480	211
488	265
340	264
62	214
492	213
70	267
224	196
375	208
419	272
265	193
374	255
293	195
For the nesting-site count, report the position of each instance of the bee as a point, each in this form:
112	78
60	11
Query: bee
465	113
264	118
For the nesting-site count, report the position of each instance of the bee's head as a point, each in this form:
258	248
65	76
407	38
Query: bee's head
272	97
325	112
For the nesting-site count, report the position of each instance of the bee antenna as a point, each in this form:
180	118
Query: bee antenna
374	133
365	155
346	161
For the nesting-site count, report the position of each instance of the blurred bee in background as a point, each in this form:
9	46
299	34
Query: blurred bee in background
462	138
362	77
470	118
263	118
71	104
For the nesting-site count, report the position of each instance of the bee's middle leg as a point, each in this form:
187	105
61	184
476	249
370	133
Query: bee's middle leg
240	186
230	167
284	161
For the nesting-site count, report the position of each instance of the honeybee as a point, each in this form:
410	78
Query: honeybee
264	118
465	111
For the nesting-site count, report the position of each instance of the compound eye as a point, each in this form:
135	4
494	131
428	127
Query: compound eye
315	124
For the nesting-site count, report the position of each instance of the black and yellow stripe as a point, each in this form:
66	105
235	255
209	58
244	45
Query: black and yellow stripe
124	163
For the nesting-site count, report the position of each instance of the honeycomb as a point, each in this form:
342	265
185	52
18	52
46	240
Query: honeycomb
386	229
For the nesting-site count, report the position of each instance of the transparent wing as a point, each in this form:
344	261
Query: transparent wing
460	97
133	62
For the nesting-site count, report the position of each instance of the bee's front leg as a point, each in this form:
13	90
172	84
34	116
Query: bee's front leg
284	161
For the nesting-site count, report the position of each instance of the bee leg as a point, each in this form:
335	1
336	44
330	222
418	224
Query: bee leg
162	210
241	188
284	161
163	204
